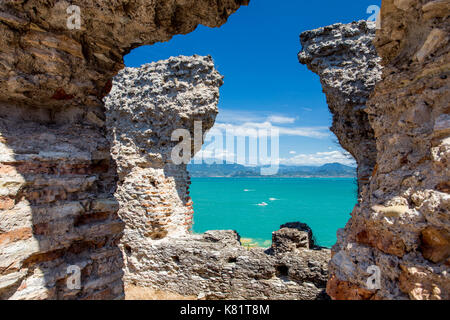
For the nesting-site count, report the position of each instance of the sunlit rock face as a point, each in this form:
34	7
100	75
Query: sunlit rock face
345	58
143	111
214	265
402	224
58	179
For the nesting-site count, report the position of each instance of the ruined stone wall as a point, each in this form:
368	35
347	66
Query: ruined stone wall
57	210
344	57
145	106
143	110
214	265
57	177
402	223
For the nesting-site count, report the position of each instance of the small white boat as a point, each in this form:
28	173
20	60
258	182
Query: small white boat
262	204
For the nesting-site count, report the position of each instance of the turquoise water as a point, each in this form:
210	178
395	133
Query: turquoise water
324	204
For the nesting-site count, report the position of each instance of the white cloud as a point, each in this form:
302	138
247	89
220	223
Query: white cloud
280	119
211	155
231	116
251	129
318	159
242	116
258	125
245	123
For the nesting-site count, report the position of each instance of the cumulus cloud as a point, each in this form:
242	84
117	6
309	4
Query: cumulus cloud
318	159
214	155
280	119
251	124
232	116
253	129
211	154
241	124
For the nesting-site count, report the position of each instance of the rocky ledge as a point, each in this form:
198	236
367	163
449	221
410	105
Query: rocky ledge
215	265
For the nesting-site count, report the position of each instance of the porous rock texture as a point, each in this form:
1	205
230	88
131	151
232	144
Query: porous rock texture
143	110
44	63
344	57
214	265
57	177
145	106
402	223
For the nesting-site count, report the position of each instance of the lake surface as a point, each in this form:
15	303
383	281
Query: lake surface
255	207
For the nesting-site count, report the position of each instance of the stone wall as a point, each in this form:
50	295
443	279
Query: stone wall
214	265
402	223
145	106
57	177
57	210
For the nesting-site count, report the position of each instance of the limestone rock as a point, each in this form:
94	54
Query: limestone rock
402	222
146	105
51	65
57	177
436	9
346	61
291	237
435	244
214	265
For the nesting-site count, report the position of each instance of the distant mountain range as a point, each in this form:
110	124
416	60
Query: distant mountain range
235	170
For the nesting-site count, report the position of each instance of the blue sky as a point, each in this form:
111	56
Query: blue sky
256	51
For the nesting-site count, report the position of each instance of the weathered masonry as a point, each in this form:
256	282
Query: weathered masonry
402	223
57	178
